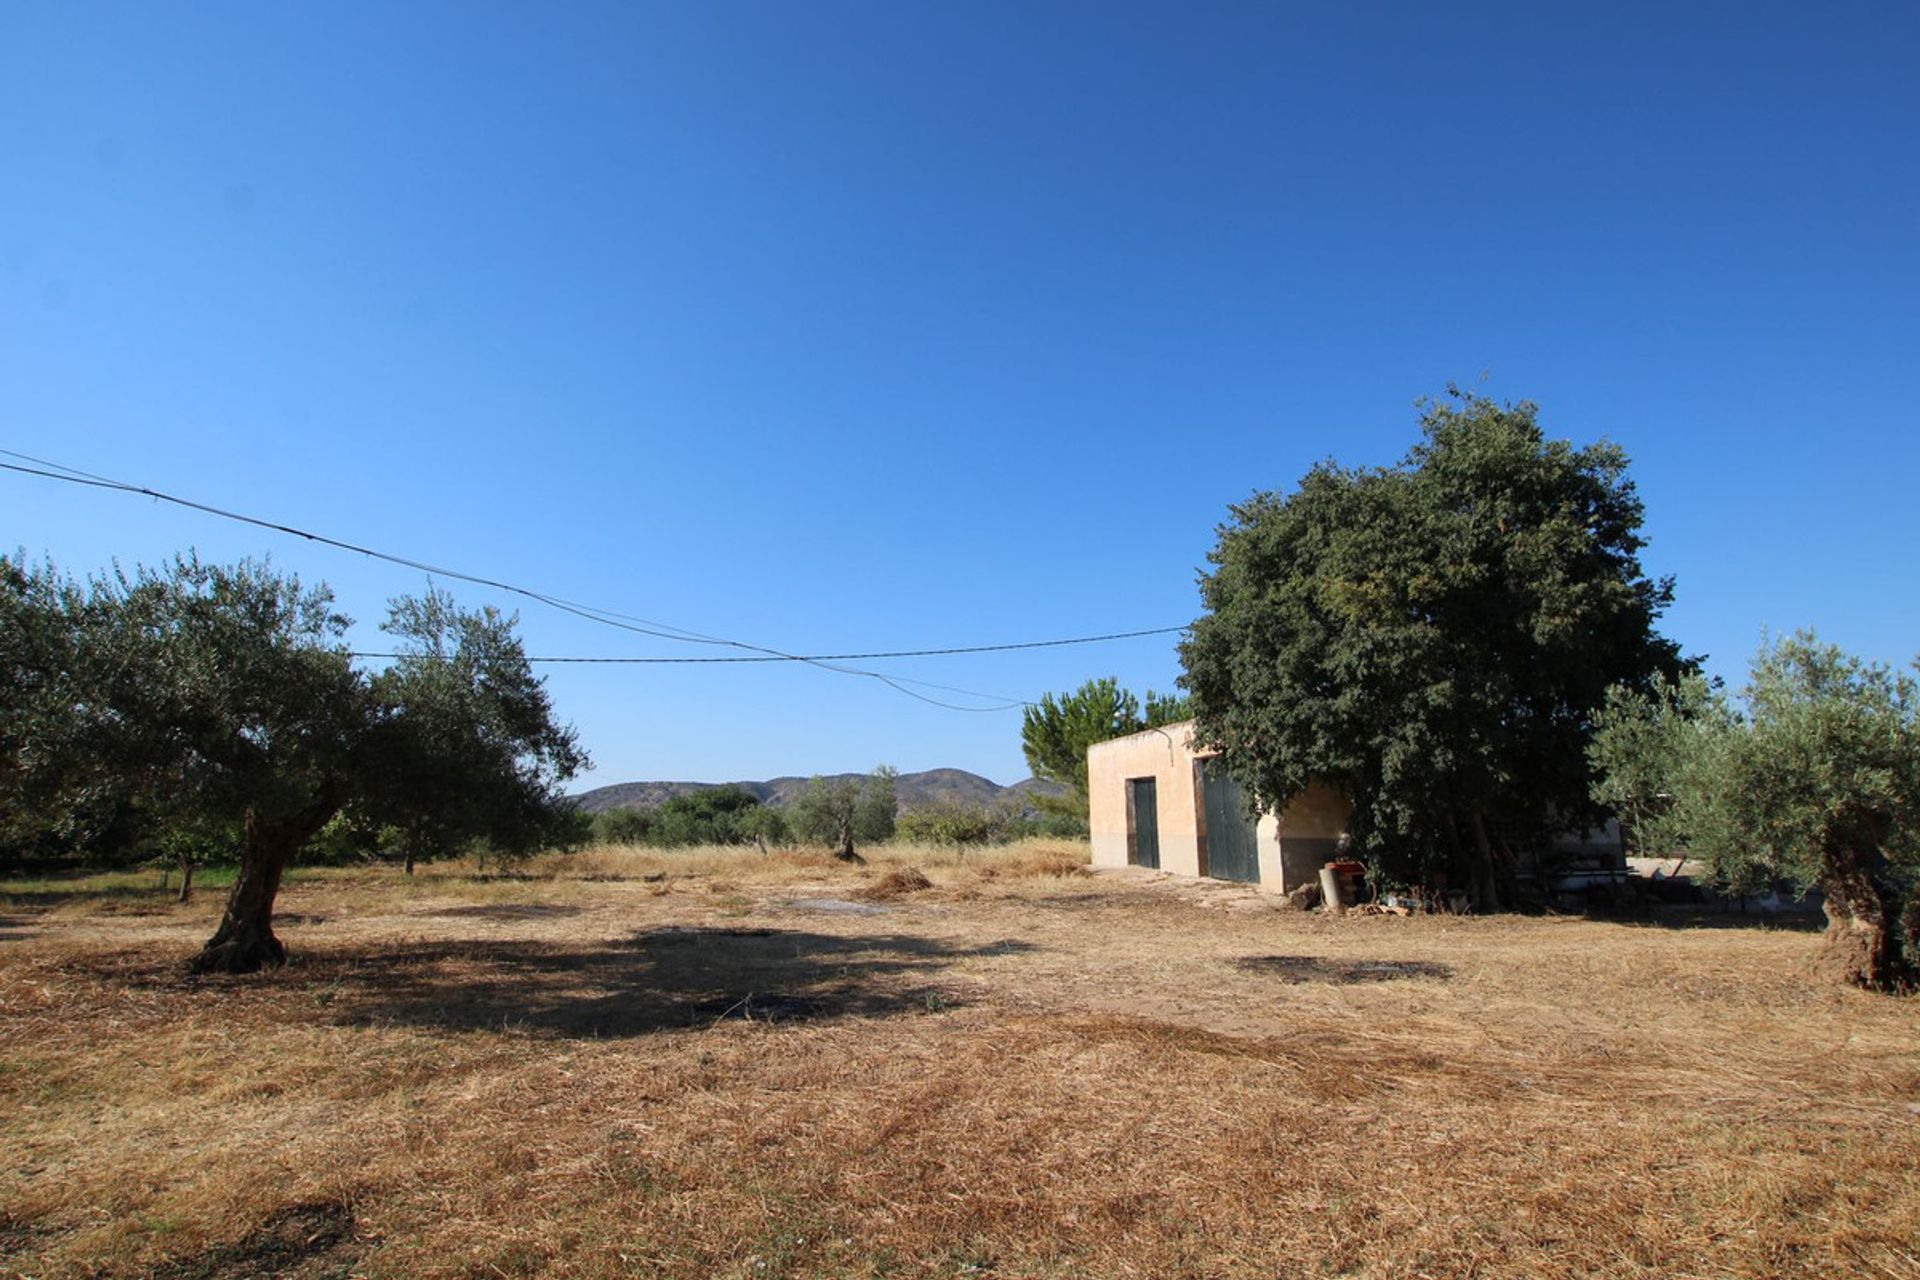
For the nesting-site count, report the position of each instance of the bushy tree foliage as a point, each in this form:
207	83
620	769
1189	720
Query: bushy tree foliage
1056	732
712	815
1811	777
764	825
463	746
845	812
963	823
623	826
211	694
1434	638
956	822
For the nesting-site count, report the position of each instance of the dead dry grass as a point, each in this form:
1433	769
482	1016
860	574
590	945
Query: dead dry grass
723	1064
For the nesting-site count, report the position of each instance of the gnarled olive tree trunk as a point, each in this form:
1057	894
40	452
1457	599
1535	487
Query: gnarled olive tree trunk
846	852
1869	920
244	942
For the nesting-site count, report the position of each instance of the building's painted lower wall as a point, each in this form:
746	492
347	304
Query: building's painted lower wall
1303	838
1291	845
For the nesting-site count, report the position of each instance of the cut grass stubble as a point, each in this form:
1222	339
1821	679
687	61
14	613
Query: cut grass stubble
781	1065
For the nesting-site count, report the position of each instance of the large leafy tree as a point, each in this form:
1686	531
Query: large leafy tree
214	694
1812	777
1434	638
1056	731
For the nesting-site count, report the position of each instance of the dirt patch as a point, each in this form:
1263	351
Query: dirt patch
303	1242
836	906
1321	969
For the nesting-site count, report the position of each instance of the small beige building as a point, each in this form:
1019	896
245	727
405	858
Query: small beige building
1157	802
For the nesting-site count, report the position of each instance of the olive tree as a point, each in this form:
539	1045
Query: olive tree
838	812
214	694
1811	776
463	746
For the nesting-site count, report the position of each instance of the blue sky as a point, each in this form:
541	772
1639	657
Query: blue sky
838	327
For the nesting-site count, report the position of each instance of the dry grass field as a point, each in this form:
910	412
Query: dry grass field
718	1064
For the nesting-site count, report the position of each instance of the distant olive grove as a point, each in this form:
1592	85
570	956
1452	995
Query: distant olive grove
841	815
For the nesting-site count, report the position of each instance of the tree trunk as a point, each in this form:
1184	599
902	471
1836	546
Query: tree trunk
1484	886
1910	929
409	860
1458	867
846	853
1868	921
244	942
186	878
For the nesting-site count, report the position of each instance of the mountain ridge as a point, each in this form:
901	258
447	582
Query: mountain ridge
915	790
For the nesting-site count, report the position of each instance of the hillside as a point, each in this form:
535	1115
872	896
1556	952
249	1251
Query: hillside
914	790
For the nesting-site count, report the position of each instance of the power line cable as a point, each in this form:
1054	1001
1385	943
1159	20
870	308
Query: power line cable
590	613
849	657
50	470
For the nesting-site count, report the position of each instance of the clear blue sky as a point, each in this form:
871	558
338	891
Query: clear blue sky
893	325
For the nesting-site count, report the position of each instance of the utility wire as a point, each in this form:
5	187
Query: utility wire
592	614
606	617
855	657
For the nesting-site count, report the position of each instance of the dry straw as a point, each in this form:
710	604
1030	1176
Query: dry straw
1018	1070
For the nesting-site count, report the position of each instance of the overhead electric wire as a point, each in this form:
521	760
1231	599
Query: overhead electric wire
606	617
589	612
854	657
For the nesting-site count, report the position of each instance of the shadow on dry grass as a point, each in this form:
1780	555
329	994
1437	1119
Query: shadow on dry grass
506	911
659	980
1343	972
302	1242
1797	919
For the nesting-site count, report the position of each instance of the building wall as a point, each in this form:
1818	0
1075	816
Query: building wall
1166	756
1291	845
1302	838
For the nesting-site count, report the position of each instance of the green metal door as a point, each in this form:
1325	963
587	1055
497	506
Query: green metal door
1143	823
1233	850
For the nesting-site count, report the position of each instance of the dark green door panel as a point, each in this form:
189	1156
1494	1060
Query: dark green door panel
1233	848
1143	823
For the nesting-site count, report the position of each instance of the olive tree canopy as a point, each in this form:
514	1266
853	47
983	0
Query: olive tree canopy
209	693
1812	776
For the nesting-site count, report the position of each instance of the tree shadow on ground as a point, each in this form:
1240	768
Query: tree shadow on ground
1341	972
1796	919
42	900
504	911
658	980
301	1242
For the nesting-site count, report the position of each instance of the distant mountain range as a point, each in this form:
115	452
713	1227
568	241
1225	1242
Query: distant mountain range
914	789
